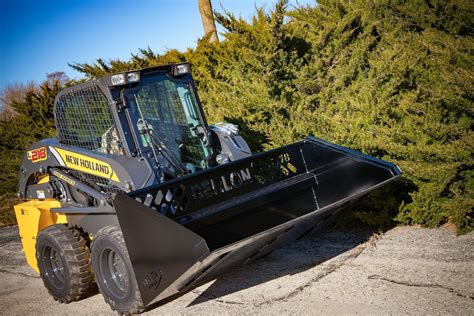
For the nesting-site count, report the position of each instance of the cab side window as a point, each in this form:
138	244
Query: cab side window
83	119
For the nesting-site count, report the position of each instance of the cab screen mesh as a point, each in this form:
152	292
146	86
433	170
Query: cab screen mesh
83	119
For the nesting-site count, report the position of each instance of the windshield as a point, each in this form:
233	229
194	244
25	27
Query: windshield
170	110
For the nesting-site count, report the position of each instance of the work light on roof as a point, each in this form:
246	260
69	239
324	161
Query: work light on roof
122	79
133	77
182	69
118	79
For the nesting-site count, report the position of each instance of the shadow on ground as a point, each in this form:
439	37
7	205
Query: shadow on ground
322	244
319	246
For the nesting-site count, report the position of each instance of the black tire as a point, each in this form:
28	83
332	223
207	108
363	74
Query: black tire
113	271
64	263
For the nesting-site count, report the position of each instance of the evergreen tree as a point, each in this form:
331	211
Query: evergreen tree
34	120
393	79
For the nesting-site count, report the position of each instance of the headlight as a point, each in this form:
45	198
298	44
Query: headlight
122	79
118	79
181	69
133	76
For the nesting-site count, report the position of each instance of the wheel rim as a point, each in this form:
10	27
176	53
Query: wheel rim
114	273
53	267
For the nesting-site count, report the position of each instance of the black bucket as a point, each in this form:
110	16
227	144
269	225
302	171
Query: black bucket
187	231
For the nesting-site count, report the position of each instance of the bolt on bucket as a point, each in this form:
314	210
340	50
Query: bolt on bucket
189	230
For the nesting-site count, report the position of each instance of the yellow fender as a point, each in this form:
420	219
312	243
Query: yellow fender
33	216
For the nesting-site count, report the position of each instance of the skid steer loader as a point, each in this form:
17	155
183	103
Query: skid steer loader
138	195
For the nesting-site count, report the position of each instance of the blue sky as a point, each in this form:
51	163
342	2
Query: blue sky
43	36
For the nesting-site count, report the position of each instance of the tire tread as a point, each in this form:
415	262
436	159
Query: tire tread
136	307
77	257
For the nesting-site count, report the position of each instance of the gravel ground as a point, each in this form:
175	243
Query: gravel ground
408	270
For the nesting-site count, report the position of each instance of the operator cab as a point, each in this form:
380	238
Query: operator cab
152	113
166	118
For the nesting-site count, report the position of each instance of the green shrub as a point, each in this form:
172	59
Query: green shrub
393	79
34	120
